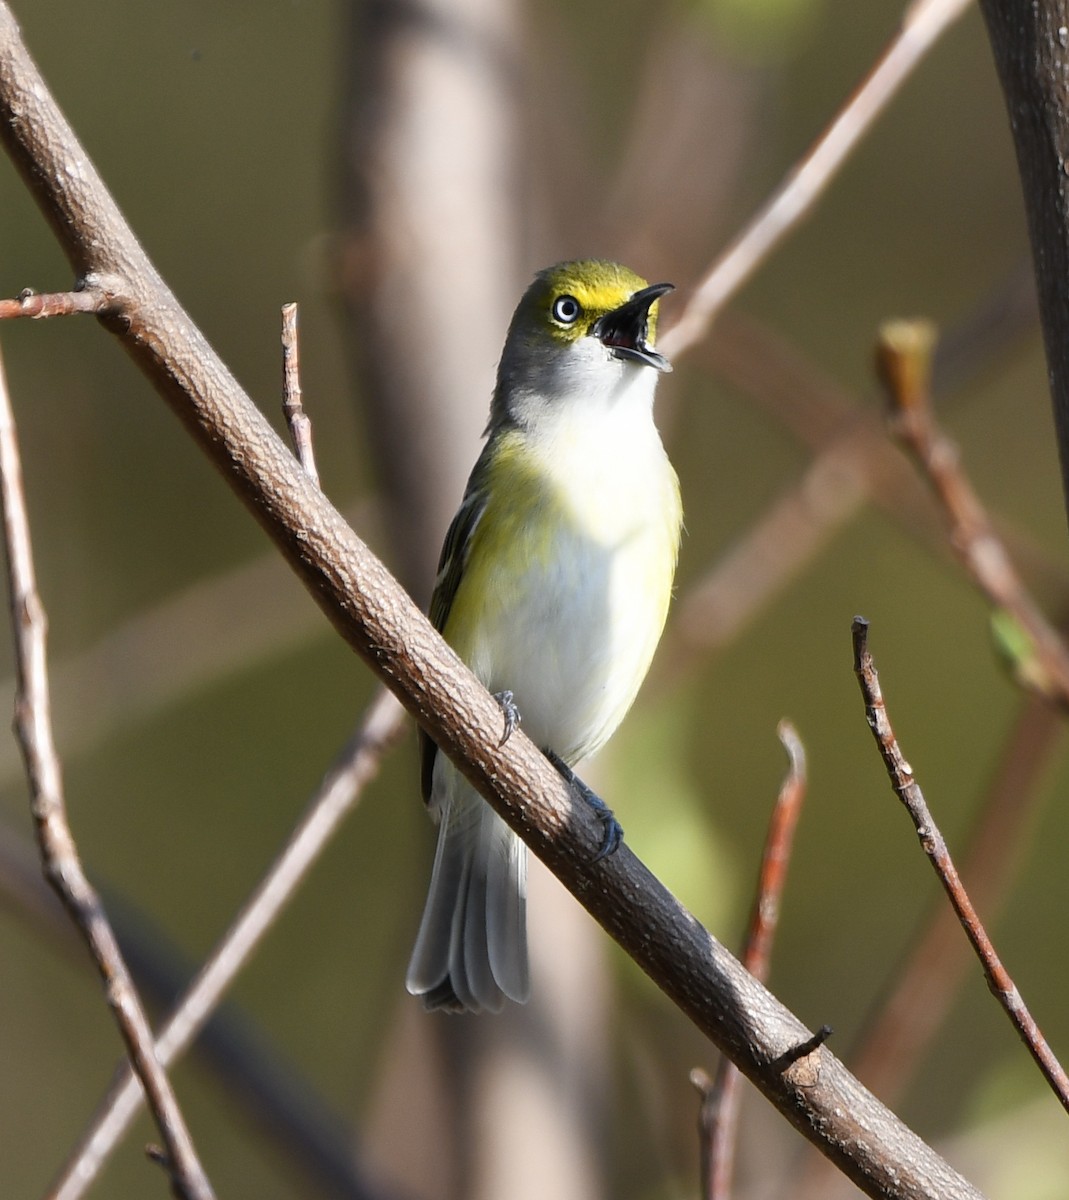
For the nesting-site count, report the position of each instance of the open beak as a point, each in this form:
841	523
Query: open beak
624	330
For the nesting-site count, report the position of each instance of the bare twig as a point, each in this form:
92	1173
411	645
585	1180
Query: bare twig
59	853
354	767
719	1111
924	987
907	1017
903	359
375	616
908	791
764	918
300	424
922	24
55	304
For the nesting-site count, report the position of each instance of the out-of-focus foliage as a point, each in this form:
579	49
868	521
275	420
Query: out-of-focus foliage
762	30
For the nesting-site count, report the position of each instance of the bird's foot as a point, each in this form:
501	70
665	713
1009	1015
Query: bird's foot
613	831
510	712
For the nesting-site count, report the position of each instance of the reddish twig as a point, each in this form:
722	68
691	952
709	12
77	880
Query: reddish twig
908	791
777	855
354	767
908	1016
924	988
718	1114
922	24
903	360
297	419
55	304
59	853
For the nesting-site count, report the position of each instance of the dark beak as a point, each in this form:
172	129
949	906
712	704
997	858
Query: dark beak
624	329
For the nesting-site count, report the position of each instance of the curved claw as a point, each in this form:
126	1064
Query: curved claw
613	830
510	712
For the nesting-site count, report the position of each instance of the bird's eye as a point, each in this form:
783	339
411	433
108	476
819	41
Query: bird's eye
566	310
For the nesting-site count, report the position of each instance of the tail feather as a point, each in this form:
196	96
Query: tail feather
471	950
506	912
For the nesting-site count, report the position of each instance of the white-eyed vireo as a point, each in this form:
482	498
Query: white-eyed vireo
553	587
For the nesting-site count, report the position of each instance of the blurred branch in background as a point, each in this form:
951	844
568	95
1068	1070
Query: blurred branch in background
176	649
60	860
923	23
1039	655
853	464
356	764
267	1089
428	144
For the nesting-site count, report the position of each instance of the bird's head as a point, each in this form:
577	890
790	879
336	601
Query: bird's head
581	328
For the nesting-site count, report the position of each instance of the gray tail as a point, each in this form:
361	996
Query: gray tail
471	950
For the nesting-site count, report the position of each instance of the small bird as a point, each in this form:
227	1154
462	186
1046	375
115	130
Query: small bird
553	586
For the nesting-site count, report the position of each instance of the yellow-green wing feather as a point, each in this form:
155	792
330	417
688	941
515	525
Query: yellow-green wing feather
454	558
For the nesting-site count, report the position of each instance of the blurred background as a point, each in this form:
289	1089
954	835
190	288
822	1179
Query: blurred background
401	167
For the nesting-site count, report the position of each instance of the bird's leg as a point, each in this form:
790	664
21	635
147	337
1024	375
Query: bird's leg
614	833
510	712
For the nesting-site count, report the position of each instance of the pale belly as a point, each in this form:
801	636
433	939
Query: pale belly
571	625
579	644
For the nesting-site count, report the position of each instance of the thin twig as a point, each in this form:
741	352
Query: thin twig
908	791
903	358
55	304
354	767
764	918
59	853
897	1034
922	24
719	1111
924	987
299	422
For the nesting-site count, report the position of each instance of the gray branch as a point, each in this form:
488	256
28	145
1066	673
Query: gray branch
1031	48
